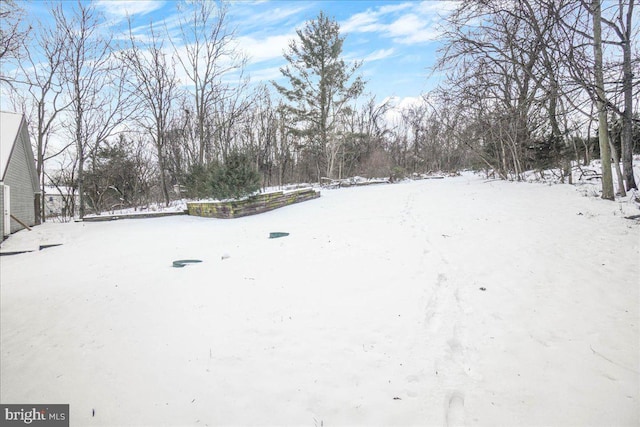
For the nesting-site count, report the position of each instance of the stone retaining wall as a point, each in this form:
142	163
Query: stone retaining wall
252	205
142	215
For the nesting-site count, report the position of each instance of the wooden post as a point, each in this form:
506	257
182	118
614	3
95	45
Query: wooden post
20	222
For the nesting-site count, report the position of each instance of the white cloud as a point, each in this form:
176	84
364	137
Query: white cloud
362	22
259	50
278	14
265	74
406	23
379	54
394	8
124	8
265	20
250	3
410	29
438	7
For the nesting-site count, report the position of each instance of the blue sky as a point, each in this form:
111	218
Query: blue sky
397	40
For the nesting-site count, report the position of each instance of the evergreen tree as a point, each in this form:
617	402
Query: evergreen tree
110	178
236	178
321	86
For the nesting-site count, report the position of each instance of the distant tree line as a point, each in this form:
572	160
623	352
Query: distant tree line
525	88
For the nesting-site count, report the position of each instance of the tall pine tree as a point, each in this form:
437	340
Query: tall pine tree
321	85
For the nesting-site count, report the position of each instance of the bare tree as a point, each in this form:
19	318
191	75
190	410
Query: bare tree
94	82
155	90
601	82
12	35
40	72
525	69
622	25
603	128
364	151
258	133
63	179
207	53
227	117
499	67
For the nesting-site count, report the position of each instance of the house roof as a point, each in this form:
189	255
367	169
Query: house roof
9	127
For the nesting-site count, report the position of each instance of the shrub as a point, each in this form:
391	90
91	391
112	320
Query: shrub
197	182
397	174
236	178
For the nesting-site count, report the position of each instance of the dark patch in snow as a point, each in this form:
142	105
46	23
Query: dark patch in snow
182	262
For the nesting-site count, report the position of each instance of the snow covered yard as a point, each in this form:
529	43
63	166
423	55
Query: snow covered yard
436	302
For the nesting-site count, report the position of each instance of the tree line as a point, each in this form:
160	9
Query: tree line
525	85
530	80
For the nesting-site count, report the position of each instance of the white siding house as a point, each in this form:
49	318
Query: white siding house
59	201
18	177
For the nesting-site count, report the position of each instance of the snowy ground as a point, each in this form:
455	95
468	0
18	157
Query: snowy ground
438	302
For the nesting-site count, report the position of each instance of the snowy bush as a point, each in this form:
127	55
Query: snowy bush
197	182
235	178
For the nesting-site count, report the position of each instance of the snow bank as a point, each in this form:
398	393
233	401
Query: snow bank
174	206
420	303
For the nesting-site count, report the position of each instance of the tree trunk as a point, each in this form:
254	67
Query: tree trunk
627	117
43	203
616	165
80	187
40	171
80	148
163	181
37	210
603	131
504	159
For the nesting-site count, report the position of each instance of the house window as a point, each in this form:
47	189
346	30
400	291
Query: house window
51	198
